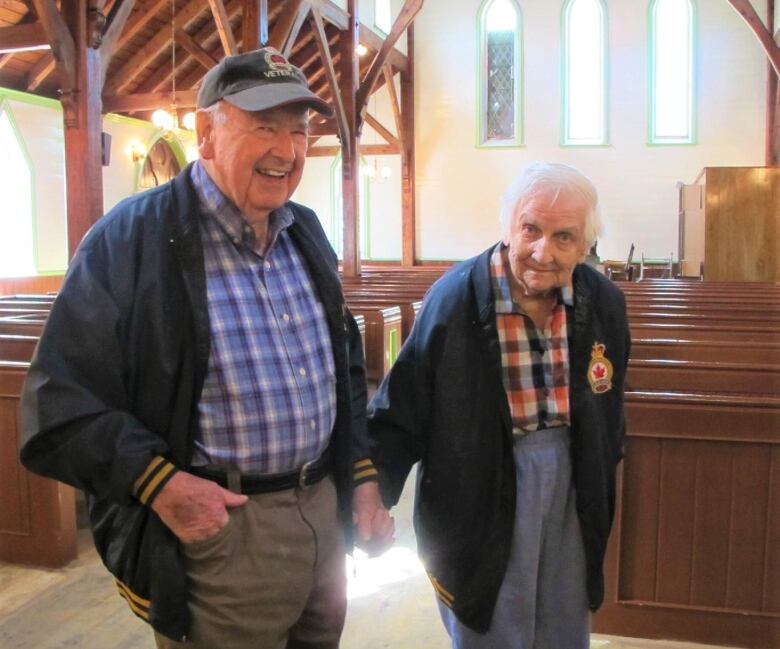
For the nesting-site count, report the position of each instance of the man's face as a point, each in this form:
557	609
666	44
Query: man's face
255	158
546	241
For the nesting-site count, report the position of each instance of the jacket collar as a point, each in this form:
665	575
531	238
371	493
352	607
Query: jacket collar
483	294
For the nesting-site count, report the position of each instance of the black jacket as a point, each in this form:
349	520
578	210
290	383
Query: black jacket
119	369
444	404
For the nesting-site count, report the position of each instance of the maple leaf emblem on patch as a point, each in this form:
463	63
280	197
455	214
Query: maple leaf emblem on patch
599	371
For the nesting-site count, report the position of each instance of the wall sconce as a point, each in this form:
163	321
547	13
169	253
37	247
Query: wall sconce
361	50
135	151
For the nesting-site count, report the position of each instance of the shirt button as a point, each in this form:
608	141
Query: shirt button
236	240
312	424
286	318
302	371
267	265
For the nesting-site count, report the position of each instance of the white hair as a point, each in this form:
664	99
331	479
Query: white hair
218	116
560	179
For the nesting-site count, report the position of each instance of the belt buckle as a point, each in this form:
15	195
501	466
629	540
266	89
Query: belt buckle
304	473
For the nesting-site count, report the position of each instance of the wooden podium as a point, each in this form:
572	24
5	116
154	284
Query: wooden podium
730	220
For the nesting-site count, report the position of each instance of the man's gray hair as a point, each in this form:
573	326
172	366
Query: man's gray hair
217	114
560	179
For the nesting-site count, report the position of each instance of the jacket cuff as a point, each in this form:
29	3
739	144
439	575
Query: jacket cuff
364	471
153	479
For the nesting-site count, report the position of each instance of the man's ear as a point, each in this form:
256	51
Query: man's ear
204	131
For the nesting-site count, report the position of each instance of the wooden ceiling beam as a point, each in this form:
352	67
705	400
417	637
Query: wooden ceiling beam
61	40
367	149
318	129
745	9
293	14
321	38
196	51
224	29
148	101
158	44
23	38
295	30
110	40
395	106
405	18
203	37
373	42
5	59
254	24
374	123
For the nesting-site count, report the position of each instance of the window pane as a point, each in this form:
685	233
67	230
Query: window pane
585	73
501	27
673	70
16	227
382	17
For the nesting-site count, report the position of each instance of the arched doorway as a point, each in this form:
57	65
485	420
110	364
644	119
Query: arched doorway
160	166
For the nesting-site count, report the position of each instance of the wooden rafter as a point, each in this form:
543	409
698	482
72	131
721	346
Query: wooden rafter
224	29
114	30
23	38
366	149
291	17
62	45
158	44
395	107
373	41
318	129
205	36
38	73
195	50
327	63
4	59
374	123
407	14
148	101
254	24
748	13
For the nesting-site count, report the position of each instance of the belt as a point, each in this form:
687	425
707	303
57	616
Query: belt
249	484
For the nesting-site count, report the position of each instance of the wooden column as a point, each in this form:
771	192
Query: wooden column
81	106
254	26
408	206
350	159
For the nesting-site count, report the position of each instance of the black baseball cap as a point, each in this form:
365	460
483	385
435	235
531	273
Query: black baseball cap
258	80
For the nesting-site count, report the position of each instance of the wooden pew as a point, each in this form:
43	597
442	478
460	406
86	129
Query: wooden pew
17	347
703	376
37	515
705	350
701	332
694	553
383	337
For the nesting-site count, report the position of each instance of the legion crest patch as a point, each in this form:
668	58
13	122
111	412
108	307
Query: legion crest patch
600	370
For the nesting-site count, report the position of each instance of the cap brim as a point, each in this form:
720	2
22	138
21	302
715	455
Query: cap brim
274	95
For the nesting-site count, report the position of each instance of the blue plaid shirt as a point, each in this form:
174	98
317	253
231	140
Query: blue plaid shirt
269	399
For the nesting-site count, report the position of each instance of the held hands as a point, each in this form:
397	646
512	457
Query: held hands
375	526
194	509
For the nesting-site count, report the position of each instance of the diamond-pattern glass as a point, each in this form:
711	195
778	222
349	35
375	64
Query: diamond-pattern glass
501	85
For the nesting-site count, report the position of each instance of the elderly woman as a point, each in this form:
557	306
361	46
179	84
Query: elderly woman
509	392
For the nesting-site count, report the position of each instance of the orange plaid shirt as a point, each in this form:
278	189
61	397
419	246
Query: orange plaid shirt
535	363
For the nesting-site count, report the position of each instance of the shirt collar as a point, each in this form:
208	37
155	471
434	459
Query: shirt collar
215	204
502	294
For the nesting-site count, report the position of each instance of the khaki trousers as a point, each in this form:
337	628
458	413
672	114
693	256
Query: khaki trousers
273	578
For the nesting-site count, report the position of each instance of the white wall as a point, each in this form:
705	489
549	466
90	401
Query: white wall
459	185
39	122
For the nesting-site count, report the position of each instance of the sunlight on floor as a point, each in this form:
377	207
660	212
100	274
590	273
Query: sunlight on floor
366	576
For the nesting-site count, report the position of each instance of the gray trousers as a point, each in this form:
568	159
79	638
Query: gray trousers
542	603
272	578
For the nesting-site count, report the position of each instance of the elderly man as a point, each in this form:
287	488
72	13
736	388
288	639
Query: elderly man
202	380
509	392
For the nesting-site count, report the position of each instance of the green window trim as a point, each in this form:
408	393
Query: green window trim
652	138
5	109
565	140
519	80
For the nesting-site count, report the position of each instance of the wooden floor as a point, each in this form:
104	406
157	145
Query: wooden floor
391	605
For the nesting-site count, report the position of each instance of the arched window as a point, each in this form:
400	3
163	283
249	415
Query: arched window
336	231
17	241
672	72
584	72
500	72
382	16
